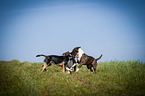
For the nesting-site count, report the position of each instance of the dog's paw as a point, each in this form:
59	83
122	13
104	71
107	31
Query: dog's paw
77	70
68	72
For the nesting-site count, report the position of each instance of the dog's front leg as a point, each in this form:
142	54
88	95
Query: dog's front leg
69	69
79	67
74	65
63	67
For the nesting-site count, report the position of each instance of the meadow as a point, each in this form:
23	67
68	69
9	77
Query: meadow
114	78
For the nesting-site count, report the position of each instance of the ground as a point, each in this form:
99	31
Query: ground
113	79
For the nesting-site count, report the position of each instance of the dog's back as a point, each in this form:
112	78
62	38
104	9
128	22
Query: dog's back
87	59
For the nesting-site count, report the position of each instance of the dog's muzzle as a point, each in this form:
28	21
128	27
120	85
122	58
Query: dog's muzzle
77	56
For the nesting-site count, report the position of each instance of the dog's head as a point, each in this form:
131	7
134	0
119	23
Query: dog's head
66	53
75	51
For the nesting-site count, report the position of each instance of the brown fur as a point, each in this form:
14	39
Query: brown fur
89	61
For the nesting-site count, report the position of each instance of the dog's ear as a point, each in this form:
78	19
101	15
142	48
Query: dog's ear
70	57
78	47
70	54
66	53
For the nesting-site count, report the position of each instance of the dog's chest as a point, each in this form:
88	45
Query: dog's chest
70	63
84	56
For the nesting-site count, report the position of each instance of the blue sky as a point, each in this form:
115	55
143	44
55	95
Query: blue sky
114	28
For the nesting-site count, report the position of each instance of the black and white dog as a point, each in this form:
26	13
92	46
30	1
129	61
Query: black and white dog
84	59
59	60
72	62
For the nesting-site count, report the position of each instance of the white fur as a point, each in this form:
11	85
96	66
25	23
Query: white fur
68	69
80	53
74	65
68	72
77	70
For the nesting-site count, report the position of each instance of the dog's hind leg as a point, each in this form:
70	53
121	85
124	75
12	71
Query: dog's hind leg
89	68
94	67
45	65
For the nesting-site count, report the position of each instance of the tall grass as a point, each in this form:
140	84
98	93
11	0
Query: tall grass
113	78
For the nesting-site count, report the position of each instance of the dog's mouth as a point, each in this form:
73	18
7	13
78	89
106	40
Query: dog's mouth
77	56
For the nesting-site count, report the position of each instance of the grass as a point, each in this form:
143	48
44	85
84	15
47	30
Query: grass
113	79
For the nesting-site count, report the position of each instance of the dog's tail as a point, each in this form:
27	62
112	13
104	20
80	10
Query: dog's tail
99	57
41	55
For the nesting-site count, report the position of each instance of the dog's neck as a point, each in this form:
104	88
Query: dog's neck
80	53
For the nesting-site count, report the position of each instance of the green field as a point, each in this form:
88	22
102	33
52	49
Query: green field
113	79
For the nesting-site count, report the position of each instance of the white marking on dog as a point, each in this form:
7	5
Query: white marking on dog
74	65
80	53
68	69
77	70
68	72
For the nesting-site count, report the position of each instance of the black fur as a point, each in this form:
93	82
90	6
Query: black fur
59	60
56	59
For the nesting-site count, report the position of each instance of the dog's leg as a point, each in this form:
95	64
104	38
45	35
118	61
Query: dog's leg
94	67
89	68
45	65
74	68
63	67
77	69
75	64
69	69
68	72
79	66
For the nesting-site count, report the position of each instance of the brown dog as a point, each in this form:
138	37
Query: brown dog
84	59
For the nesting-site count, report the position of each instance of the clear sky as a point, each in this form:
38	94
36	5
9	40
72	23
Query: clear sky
114	28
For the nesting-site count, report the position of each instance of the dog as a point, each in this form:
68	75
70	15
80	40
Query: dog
59	60
84	59
66	53
72	63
